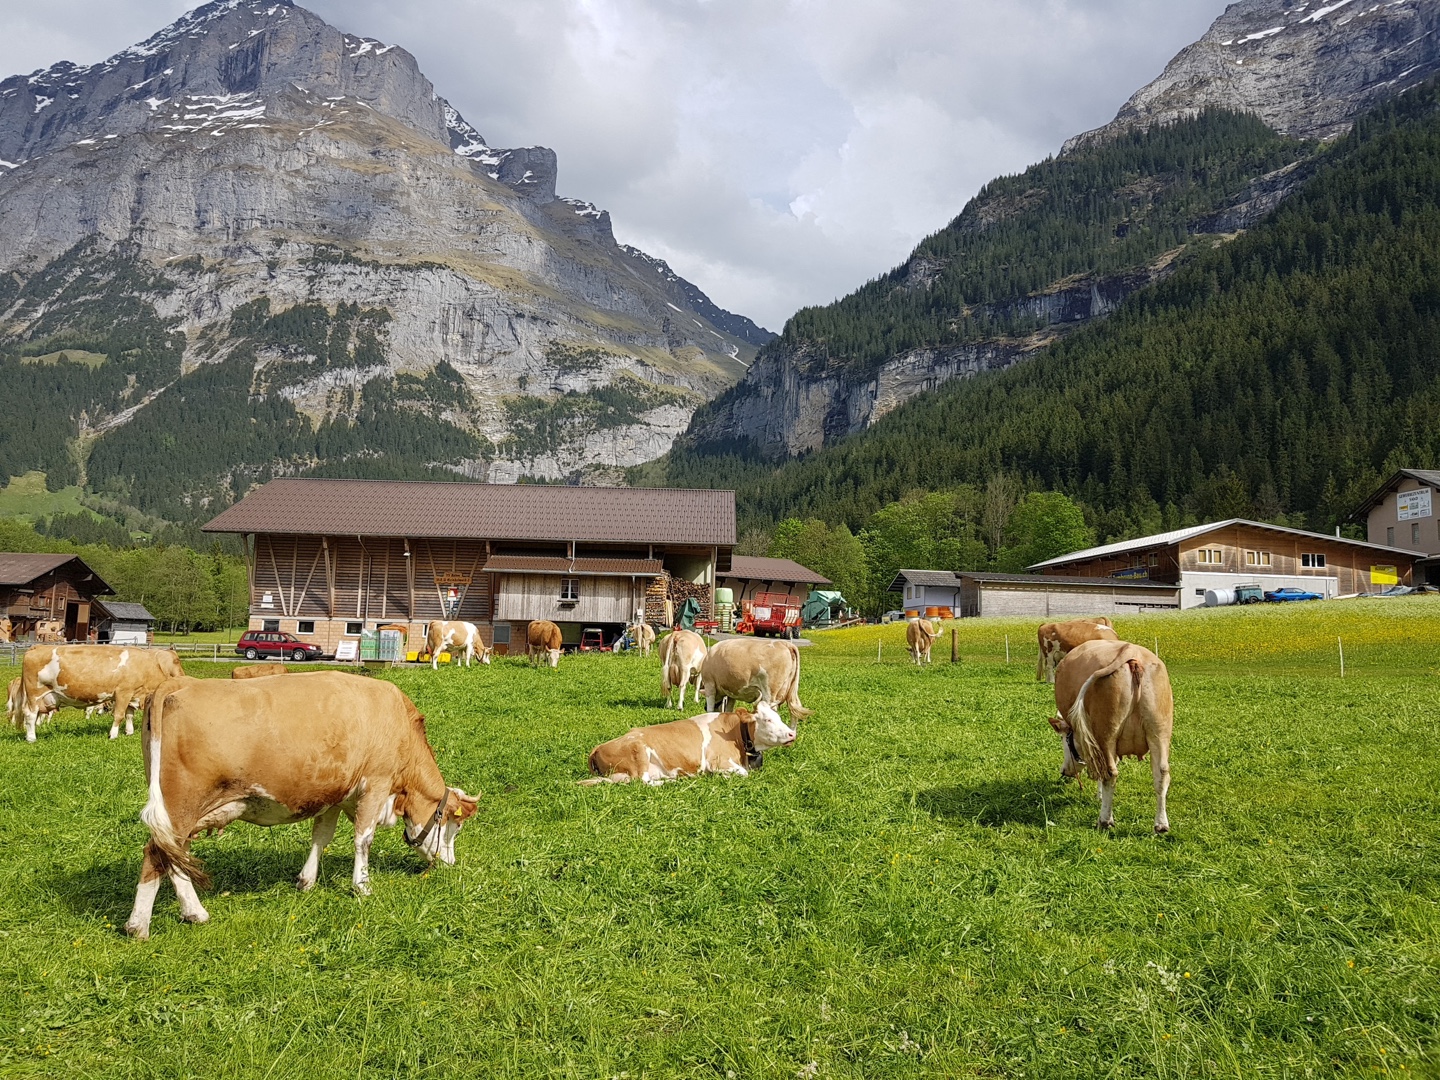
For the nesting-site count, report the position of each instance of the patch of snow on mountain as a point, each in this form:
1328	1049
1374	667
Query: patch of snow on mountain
41	102
1320	13
1261	35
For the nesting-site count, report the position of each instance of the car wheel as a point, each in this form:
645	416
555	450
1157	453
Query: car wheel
251	654
298	655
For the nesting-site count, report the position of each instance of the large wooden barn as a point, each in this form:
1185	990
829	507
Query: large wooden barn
47	596
330	559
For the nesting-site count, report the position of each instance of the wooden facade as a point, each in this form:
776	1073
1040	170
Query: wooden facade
48	595
1237	552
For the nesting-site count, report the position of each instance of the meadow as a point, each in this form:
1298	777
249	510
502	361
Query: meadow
909	891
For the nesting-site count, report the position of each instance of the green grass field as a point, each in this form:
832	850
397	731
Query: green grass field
908	891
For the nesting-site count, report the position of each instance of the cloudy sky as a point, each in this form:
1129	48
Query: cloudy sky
777	153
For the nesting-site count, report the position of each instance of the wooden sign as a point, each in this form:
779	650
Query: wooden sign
452	579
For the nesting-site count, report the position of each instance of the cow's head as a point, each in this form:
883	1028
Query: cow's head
169	663
440	843
770	730
485	653
1070	764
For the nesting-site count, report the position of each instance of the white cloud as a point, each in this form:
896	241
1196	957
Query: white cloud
776	152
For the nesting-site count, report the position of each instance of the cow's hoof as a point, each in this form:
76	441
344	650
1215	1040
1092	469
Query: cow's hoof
1162	829
114	734
137	931
304	884
201	916
362	888
1105	826
29	736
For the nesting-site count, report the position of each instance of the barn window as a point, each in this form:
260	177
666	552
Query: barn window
305	626
1390	536
354	627
1153	559
271	625
1257	558
502	633
1316	560
569	590
1212	555
1415	532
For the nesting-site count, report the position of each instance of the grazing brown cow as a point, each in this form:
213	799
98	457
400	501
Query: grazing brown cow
461	637
543	640
258	671
750	669
643	635
1113	700
731	742
274	751
1057	639
681	654
920	634
121	676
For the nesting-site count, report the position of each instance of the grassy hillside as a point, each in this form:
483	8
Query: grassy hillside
1279	375
907	892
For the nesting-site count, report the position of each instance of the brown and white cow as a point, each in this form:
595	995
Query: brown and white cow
7	630
120	676
732	742
1113	700
456	637
258	671
1057	639
751	669
275	751
682	652
920	635
543	642
643	635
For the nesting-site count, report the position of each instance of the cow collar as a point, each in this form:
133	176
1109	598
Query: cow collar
431	825
1070	743
753	758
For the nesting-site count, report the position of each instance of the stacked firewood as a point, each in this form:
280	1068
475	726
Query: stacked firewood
680	591
666	594
655	597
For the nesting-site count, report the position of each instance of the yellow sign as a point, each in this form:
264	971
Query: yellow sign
452	579
1384	575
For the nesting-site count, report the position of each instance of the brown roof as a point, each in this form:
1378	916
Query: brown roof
485	511
754	568
22	568
549	564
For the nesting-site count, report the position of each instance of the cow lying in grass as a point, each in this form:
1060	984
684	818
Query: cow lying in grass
1113	700
732	742
258	671
275	751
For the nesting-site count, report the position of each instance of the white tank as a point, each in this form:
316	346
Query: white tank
1219	597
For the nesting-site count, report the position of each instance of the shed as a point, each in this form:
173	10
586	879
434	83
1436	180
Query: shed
750	575
47	595
120	623
974	594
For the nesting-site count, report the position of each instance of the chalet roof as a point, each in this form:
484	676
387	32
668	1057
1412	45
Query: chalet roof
755	568
125	611
950	579
490	511
1425	476
1178	536
21	568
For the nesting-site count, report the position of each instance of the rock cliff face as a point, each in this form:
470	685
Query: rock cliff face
1306	69
251	153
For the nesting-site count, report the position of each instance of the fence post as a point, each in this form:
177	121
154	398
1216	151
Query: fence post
1342	656
1007	648
878	644
954	647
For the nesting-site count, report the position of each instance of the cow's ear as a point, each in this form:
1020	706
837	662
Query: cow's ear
1060	724
400	805
465	806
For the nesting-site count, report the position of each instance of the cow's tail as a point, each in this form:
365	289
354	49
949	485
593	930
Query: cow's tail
1079	719
797	711
168	846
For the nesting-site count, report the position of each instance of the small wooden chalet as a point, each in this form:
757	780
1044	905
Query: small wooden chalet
118	622
48	595
330	559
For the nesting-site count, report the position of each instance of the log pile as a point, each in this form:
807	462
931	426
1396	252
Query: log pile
676	591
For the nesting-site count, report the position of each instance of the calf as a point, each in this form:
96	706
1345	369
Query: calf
732	742
920	635
1057	639
681	654
457	637
120	676
543	641
258	671
1113	700
274	751
751	669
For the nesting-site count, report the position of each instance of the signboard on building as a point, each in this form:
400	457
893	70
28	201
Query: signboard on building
1384	575
1414	504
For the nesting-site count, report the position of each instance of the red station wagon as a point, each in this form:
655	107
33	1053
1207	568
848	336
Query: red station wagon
273	645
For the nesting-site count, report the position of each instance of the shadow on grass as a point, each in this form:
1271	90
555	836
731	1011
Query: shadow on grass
1030	801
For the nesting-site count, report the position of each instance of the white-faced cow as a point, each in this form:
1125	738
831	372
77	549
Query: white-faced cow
120	676
1057	639
732	742
920	635
456	637
643	636
543	642
1113	700
681	654
749	669
274	751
